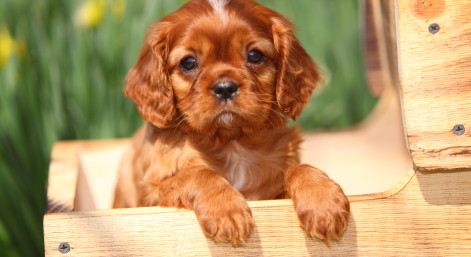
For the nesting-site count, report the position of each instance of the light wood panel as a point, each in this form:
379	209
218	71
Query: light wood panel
435	74
430	216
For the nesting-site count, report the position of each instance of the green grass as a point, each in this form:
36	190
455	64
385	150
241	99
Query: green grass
68	85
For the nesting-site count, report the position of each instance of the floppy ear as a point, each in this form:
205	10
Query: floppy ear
298	75
147	83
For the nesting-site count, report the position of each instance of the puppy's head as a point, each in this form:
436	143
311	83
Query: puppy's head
221	64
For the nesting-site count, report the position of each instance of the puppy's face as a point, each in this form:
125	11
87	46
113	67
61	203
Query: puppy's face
223	73
221	64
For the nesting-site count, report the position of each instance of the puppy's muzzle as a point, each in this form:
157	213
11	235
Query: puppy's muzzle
225	90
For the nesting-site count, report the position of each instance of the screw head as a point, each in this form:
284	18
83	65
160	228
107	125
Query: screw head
459	129
433	28
64	247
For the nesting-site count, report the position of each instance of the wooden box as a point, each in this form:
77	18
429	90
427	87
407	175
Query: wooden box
404	203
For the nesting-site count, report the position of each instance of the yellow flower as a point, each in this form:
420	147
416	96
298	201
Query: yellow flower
7	47
118	7
90	13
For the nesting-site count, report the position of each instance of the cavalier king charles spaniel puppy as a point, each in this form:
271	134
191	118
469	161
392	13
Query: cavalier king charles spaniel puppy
216	82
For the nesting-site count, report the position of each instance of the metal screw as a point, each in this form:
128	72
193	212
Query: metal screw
459	129
64	247
433	28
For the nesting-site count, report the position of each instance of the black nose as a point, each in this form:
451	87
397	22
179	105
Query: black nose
225	90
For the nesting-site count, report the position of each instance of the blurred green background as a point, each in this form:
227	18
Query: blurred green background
62	65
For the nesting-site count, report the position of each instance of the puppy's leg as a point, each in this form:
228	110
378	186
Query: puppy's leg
321	206
221	210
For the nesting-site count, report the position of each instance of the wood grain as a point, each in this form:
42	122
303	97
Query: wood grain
435	74
430	216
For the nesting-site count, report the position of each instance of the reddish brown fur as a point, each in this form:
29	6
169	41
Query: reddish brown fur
208	155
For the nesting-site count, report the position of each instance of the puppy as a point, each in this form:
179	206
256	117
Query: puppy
216	82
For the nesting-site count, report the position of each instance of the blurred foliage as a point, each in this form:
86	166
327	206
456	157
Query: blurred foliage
62	63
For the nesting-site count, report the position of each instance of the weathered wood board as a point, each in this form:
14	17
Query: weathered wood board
425	215
434	44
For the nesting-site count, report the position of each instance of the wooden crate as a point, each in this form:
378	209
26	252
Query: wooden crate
397	210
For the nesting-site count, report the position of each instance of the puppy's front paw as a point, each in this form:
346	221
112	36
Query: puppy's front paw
226	218
323	216
321	206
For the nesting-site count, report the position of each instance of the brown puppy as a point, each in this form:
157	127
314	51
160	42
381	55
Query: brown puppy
216	81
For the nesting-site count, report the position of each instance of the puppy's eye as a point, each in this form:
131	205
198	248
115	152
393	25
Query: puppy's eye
188	64
255	57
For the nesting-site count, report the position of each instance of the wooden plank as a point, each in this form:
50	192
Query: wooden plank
426	215
435	74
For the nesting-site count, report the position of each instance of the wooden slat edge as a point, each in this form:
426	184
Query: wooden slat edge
253	204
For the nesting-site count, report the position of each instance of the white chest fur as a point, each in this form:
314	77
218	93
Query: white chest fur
240	164
257	173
